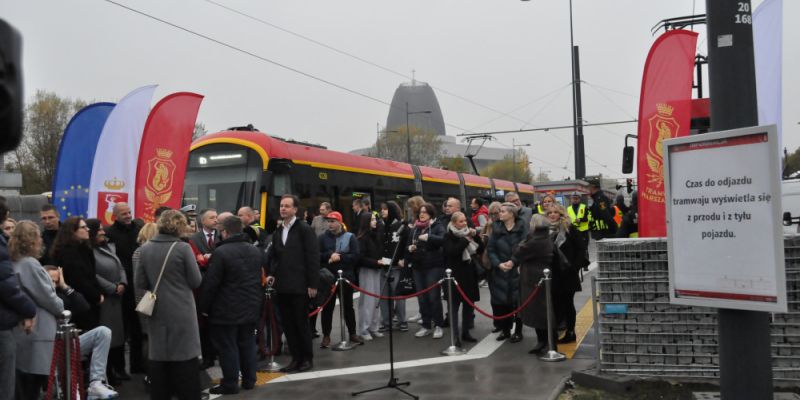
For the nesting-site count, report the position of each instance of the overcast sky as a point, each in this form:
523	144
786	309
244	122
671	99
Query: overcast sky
505	55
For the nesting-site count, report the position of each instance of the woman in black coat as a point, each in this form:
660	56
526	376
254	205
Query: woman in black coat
461	244
71	251
535	255
507	233
425	258
393	237
569	259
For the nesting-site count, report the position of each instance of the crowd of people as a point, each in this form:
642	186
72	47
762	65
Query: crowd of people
207	272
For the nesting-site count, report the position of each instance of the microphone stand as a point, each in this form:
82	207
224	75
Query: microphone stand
393	383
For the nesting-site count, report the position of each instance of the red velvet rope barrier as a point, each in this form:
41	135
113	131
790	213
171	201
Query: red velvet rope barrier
58	350
420	293
273	329
331	296
504	316
76	384
58	364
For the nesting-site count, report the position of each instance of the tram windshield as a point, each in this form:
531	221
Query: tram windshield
222	176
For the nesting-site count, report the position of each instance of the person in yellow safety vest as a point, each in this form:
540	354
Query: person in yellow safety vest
629	228
547	201
601	220
579	215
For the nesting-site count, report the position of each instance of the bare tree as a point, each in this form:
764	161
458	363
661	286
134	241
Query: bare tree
454	164
426	148
199	130
46	117
510	168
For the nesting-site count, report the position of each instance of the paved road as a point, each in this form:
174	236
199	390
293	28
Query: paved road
491	369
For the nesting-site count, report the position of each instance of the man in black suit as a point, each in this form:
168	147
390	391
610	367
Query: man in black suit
207	237
293	268
205	240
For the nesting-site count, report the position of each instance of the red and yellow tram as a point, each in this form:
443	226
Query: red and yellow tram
235	168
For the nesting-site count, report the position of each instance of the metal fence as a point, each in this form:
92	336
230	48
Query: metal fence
641	333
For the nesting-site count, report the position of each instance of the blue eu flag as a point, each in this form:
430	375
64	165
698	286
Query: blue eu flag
75	158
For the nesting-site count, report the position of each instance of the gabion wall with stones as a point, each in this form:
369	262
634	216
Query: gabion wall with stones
654	338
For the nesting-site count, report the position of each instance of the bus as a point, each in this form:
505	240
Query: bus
235	168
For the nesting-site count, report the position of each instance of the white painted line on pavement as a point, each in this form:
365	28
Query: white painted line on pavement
483	349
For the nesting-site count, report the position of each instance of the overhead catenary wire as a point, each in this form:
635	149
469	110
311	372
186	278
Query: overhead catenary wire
536	158
549	128
540	98
502	114
615	104
612	90
261	58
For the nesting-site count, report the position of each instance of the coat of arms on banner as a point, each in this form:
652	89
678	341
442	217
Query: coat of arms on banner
663	126
160	173
107	200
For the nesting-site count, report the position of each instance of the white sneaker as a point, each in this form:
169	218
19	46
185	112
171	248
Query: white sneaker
366	337
422	332
376	334
99	391
437	333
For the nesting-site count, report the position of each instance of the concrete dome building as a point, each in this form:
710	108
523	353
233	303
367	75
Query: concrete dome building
420	97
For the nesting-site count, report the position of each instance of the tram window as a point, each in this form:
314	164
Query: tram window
436	193
281	184
222	176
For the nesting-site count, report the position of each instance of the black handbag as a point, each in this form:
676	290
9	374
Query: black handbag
563	261
406	285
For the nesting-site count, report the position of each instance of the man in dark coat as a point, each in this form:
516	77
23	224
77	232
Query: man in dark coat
231	298
50	224
257	235
601	213
293	267
207	237
123	233
203	242
15	308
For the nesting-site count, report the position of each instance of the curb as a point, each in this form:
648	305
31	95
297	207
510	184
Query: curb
559	388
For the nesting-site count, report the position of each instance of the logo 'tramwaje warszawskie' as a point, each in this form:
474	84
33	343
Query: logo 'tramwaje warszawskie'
160	173
662	126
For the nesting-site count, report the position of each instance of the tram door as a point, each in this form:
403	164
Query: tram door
362	194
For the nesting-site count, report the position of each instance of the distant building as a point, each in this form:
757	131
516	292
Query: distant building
10	182
421	98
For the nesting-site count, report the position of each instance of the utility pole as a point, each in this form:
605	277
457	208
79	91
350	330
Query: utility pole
577	108
745	354
514	158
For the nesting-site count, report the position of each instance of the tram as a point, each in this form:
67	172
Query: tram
236	168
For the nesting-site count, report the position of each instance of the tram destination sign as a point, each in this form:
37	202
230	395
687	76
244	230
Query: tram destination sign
724	232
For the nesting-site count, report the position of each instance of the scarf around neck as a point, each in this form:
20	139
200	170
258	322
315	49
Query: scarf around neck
472	247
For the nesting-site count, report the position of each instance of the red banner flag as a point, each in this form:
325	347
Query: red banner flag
164	153
664	112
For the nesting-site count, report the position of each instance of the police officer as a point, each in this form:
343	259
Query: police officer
629	228
579	215
601	217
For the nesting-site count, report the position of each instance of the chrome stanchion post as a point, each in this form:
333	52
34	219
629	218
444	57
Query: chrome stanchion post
551	355
453	349
597	347
345	344
271	365
66	334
